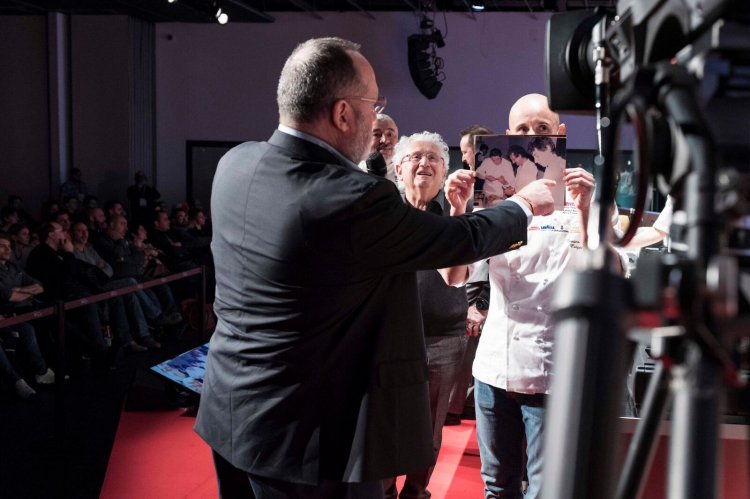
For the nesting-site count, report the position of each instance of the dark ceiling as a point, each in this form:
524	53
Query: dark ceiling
199	11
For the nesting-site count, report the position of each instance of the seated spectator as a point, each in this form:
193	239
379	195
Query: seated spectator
142	198
112	208
75	186
71	204
48	209
179	218
16	288
113	249
8	217
137	304
90	202
20	244
62	218
197	223
96	223
15	202
55	266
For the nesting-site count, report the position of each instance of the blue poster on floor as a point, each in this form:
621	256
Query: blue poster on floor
186	369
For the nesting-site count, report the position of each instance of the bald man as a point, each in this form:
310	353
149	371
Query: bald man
513	363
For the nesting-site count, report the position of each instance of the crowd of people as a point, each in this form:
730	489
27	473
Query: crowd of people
77	248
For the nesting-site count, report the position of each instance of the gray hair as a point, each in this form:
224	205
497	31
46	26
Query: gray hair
400	150
384	117
318	72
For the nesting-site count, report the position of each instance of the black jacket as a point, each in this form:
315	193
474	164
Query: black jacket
317	368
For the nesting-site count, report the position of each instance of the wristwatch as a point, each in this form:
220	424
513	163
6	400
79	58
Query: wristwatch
482	304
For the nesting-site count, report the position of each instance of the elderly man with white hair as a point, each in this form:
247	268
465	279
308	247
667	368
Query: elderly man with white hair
421	161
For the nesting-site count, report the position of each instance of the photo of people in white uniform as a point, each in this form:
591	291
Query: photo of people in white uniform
513	161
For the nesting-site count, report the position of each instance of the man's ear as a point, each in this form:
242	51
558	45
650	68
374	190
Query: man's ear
339	116
507	132
561	129
398	169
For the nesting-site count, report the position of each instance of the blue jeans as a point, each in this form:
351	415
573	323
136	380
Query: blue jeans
444	354
503	420
126	312
20	337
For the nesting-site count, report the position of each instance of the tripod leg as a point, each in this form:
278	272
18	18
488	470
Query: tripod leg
644	440
693	445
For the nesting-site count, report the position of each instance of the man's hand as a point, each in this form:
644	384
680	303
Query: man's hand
101	265
67	245
508	191
33	289
539	194
179	245
581	186
474	320
502	180
459	188
490	178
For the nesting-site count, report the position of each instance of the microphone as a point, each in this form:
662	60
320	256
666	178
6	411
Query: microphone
376	164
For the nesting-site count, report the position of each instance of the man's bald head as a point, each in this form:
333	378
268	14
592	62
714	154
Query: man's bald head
531	115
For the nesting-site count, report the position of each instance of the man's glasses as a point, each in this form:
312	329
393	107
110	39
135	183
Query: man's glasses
417	158
378	105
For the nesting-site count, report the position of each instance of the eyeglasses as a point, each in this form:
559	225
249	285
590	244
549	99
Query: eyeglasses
417	158
378	105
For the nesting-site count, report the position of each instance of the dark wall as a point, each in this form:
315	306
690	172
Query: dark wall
100	83
24	116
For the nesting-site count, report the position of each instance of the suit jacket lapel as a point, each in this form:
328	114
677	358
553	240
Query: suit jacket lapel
302	149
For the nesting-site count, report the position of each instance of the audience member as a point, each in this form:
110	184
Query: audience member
513	363
478	291
149	266
90	202
63	219
197	223
75	186
142	199
384	139
179	218
17	288
112	208
175	256
652	235
48	209
71	204
15	202
53	264
20	244
8	217
96	223
137	304
422	162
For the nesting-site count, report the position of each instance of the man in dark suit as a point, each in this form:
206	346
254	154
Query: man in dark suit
316	380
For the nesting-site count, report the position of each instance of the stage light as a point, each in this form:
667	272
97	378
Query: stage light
222	18
478	5
171	1
424	67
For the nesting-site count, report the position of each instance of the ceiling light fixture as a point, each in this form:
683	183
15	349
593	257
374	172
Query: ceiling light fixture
478	5
222	18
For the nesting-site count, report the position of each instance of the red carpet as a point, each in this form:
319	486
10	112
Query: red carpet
157	455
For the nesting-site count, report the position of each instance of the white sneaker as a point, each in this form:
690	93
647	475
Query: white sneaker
47	378
23	390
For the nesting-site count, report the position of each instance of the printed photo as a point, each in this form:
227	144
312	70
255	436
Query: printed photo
507	163
186	369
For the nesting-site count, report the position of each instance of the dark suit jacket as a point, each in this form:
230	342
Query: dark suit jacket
317	368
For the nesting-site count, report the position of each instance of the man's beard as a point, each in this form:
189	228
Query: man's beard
356	150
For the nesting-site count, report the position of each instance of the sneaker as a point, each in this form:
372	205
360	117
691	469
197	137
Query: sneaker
135	348
23	390
452	419
47	378
150	343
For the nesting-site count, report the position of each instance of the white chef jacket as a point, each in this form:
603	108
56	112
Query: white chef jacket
515	347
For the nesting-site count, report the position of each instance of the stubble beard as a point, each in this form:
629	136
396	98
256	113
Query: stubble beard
356	151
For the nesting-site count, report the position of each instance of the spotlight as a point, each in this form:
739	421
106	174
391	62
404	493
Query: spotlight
218	14
171	1
478	5
222	18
